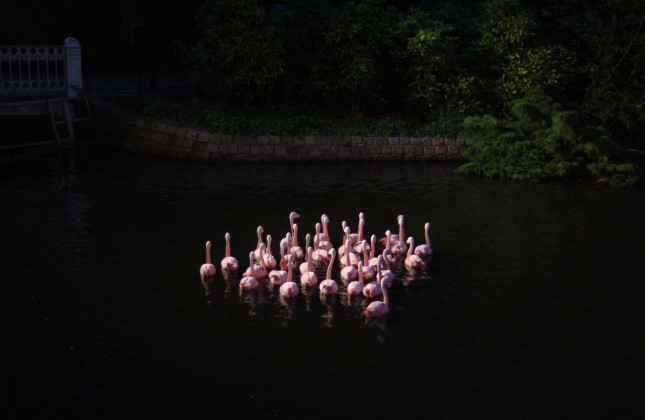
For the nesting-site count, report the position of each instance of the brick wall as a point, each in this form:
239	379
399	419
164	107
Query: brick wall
119	130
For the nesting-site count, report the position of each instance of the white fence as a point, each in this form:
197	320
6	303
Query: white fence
41	70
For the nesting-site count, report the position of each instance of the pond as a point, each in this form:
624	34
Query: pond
533	304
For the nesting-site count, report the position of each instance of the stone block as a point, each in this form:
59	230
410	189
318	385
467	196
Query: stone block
452	150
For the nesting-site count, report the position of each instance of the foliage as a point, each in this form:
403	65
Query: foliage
541	140
518	59
239	56
609	38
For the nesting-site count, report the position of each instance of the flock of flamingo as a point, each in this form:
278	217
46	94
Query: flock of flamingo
363	270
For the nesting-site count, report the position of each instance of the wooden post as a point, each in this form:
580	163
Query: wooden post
52	119
68	117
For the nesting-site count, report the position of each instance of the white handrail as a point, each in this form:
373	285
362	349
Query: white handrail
41	70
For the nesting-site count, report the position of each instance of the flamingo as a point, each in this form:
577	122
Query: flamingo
373	261
358	246
257	270
292	217
304	266
289	289
356	287
425	250
325	227
342	250
329	286
324	236
260	231
387	275
278	277
372	289
207	270
348	273
377	309
249	282
368	272
295	249
387	252
398	244
412	260
229	264
320	256
308	277
323	241
269	260
285	245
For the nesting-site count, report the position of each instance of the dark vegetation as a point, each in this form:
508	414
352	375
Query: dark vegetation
544	89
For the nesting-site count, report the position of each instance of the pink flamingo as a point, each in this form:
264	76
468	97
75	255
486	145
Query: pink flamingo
308	278
278	277
342	249
387	251
292	217
229	264
304	266
368	272
296	250
372	289
289	289
249	282
207	270
269	260
325	227
348	272
377	309
412	260
360	244
355	287
329	286
373	261
398	244
425	250
260	231
323	237
257	270
320	256
387	275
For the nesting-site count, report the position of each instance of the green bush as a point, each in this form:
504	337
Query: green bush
540	140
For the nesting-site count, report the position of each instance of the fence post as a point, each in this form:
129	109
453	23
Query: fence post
73	73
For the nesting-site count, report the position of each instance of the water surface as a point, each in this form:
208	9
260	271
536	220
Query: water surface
532	305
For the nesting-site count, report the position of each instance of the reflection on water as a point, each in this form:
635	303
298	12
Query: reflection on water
533	301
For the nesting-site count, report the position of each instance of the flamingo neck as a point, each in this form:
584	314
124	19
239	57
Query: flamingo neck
331	263
411	248
208	252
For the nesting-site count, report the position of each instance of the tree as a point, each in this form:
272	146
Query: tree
239	56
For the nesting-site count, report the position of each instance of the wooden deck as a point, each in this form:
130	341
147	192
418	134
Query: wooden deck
44	81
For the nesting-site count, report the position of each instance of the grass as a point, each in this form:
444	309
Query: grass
285	122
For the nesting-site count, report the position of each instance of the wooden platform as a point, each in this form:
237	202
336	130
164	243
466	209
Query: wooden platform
61	111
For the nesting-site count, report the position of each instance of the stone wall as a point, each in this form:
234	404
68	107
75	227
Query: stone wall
119	130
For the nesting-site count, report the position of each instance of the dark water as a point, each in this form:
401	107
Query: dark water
534	304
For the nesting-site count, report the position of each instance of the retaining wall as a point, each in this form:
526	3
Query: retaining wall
119	130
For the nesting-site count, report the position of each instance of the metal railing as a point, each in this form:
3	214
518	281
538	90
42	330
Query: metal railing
41	70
